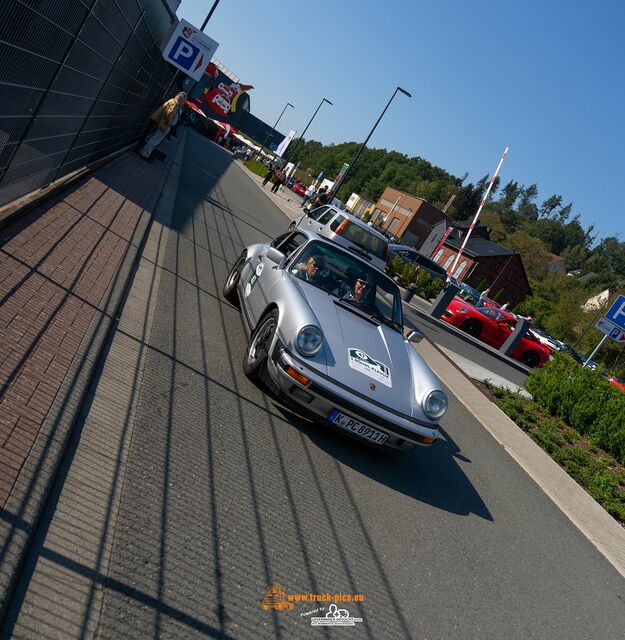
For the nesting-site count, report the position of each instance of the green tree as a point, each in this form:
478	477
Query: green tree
533	252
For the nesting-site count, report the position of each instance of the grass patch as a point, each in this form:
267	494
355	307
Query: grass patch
597	471
257	167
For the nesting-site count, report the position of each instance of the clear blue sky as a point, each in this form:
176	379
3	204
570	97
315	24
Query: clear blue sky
546	79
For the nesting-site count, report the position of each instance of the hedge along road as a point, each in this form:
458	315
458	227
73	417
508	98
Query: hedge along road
225	492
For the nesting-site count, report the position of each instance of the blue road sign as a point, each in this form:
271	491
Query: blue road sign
183	53
616	313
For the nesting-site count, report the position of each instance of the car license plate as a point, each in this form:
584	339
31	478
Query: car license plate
356	427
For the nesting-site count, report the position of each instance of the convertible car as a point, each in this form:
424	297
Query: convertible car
493	326
326	332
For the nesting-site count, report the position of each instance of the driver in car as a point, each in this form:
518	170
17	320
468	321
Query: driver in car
360	291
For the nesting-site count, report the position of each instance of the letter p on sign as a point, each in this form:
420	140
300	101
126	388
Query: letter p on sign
183	53
616	313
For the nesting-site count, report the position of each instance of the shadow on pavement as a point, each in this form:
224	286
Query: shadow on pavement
430	475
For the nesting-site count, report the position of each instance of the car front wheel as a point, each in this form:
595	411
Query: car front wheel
472	327
255	359
530	359
230	287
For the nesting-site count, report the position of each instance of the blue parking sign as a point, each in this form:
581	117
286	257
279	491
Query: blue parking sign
183	53
189	50
616	313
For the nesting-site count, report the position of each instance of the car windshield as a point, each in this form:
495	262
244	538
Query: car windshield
344	276
364	238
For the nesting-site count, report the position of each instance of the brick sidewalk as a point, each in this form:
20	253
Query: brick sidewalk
56	265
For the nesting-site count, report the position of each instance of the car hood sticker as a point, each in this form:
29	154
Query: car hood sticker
361	361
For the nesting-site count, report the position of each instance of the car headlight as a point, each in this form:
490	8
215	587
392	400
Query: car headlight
435	404
309	340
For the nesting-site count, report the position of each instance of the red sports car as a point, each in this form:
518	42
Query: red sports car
618	382
298	188
493	326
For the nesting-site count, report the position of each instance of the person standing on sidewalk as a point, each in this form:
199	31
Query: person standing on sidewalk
165	117
308	195
279	180
269	175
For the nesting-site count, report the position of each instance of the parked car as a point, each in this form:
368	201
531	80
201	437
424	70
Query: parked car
299	188
348	231
468	293
619	383
544	338
410	254
326	333
493	326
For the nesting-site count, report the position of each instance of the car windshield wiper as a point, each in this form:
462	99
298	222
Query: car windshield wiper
368	313
378	315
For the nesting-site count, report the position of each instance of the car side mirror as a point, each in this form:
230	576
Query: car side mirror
415	336
274	255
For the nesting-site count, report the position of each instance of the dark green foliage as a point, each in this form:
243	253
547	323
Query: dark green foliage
582	399
395	266
423	279
597	471
408	273
433	288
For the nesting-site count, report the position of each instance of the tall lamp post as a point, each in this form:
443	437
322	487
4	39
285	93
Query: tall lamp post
292	149
210	13
288	104
336	188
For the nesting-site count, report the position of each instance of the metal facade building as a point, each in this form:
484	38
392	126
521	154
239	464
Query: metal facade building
78	80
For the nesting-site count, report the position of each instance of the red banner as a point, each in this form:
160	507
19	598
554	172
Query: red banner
223	99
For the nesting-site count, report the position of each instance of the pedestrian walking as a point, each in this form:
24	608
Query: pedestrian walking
279	180
269	175
308	195
483	296
165	117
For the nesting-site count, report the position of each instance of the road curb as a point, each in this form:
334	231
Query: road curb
34	483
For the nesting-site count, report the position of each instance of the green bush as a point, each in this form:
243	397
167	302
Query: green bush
598	472
583	400
408	274
423	279
433	288
395	266
257	167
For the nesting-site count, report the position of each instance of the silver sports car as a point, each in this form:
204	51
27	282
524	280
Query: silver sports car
326	332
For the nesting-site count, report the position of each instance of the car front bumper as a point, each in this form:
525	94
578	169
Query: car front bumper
321	396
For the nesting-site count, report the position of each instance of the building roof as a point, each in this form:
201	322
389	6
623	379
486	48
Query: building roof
478	246
554	258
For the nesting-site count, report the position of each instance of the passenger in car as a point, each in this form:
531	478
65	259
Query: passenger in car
313	270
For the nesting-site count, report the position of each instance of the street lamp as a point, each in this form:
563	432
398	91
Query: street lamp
336	188
288	104
290	153
210	13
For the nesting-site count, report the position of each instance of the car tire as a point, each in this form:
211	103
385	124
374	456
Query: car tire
255	358
530	359
230	287
292	225
472	326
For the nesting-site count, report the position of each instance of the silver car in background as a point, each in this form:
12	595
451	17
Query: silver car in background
348	231
326	332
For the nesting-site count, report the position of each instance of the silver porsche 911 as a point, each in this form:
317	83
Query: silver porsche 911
326	332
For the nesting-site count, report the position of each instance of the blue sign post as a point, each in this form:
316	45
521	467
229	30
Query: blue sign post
616	313
612	325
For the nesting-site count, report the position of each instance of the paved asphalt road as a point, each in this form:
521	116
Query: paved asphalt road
227	493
